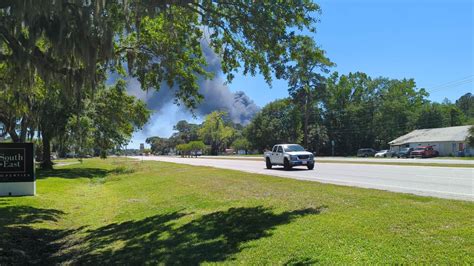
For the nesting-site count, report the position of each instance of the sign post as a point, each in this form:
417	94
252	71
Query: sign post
17	169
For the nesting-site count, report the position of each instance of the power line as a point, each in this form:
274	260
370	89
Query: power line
452	84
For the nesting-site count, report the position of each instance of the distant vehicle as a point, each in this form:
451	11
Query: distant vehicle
289	155
424	152
384	153
197	153
404	153
367	152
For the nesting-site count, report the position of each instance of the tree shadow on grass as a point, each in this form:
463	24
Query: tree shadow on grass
211	238
71	173
300	262
21	243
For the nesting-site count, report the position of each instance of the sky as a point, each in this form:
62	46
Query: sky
429	41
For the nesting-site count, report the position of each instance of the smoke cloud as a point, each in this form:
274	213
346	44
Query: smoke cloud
217	96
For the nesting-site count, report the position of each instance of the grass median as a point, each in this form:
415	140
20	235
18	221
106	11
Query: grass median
120	211
322	160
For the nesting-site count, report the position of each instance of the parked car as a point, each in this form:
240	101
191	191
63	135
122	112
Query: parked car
424	152
366	152
404	153
385	153
289	155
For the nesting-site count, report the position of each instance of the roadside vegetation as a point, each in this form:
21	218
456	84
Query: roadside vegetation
131	212
361	161
354	111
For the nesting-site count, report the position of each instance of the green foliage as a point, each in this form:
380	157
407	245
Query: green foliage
362	112
305	84
434	115
215	132
355	111
76	42
116	115
277	122
466	104
241	144
159	145
470	137
79	134
186	131
191	148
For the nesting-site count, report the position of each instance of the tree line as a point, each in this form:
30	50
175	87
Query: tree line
351	111
355	111
213	136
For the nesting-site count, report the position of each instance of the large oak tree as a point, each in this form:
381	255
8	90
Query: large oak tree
73	44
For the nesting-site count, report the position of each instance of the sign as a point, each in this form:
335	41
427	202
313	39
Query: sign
142	147
17	169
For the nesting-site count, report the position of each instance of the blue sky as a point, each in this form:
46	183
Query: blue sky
430	41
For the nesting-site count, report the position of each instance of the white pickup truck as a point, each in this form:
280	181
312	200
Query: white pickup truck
289	155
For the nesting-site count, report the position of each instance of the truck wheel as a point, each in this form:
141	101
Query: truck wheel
286	164
269	164
311	166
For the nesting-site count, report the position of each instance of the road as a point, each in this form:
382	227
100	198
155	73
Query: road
443	182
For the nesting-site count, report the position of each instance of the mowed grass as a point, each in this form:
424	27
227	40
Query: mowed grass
322	160
120	211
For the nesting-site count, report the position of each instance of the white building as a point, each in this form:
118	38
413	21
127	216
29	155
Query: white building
448	141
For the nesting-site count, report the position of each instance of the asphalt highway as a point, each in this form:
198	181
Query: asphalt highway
443	182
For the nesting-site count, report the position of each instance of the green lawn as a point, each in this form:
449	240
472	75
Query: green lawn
131	212
400	162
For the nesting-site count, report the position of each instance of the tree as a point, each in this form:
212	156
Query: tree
17	100
277	122
158	145
431	116
186	131
349	106
470	137
116	115
303	81
360	112
184	149
466	104
71	46
241	144
196	146
215	132
399	102
72	42
53	113
79	135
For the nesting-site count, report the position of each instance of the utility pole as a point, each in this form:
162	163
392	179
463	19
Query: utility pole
332	146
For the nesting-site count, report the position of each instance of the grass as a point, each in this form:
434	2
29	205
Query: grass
322	160
467	158
130	212
461	165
